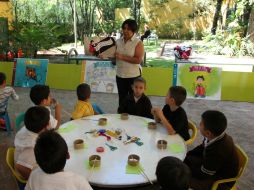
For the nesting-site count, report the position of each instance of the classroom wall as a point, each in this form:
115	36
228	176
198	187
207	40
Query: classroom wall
236	86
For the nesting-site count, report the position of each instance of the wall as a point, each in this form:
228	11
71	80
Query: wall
236	86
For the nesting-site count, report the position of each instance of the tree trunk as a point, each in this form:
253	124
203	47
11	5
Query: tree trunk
246	17
216	16
251	26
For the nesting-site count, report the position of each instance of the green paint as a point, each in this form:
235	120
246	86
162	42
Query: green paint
176	148
88	167
158	80
67	129
237	86
64	76
7	68
133	169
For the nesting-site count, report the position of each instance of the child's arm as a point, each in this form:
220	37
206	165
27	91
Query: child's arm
24	171
14	95
155	116
159	114
58	109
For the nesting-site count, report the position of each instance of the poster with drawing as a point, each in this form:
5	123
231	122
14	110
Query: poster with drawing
101	76
200	82
30	72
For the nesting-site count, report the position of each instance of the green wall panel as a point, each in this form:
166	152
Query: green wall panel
7	68
158	80
64	76
237	86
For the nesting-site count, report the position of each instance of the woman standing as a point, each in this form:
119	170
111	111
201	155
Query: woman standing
129	54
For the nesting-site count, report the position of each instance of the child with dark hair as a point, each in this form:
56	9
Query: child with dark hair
5	93
216	158
83	106
137	103
173	116
36	121
51	153
173	174
40	95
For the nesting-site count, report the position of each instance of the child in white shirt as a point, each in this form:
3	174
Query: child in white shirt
51	153
36	121
40	95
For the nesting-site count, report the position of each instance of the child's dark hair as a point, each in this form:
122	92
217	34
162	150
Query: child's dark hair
200	77
132	25
172	173
38	93
2	78
214	121
140	79
178	93
51	152
36	118
83	91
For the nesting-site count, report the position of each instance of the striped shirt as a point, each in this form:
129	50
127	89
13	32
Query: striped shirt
5	93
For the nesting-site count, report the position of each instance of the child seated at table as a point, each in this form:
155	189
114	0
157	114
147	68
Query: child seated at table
216	158
5	93
173	116
172	173
137	103
40	95
36	121
51	153
83	106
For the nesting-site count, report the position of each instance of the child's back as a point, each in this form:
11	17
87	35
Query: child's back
36	120
5	93
51	153
83	106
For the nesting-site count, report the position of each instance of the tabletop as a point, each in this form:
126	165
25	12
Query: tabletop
114	170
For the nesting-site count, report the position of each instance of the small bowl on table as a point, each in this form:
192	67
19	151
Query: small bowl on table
79	144
152	125
133	160
95	161
102	121
124	116
162	144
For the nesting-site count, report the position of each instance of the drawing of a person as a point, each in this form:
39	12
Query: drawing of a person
200	90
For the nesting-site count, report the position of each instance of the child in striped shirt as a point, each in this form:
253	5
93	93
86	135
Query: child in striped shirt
5	93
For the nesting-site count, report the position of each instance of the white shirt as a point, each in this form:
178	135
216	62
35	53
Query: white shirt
125	69
39	180
24	148
52	120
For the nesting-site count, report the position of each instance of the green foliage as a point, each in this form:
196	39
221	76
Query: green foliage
229	43
172	29
33	37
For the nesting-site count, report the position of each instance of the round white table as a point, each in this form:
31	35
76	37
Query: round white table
112	172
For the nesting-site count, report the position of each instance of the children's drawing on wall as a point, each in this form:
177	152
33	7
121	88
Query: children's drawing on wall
30	72
201	82
101	76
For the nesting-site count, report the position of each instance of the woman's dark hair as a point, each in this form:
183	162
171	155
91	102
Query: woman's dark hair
132	25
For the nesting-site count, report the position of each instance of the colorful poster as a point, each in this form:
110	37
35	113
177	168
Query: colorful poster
30	72
101	76
201	82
